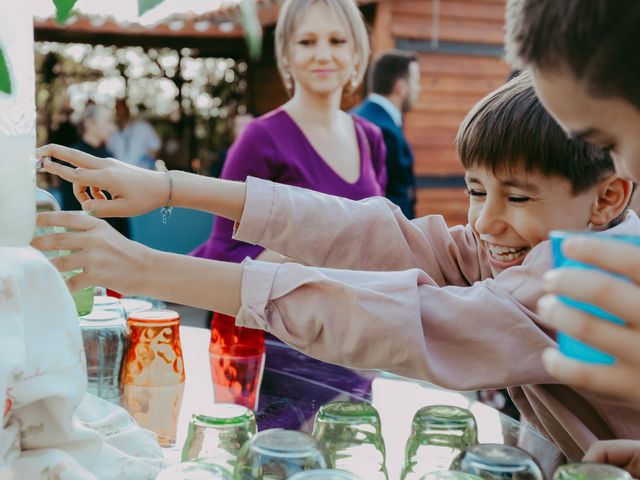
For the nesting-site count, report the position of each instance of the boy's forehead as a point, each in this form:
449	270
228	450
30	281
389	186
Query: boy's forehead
517	176
565	98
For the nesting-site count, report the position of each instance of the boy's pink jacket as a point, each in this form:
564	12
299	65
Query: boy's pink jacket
415	298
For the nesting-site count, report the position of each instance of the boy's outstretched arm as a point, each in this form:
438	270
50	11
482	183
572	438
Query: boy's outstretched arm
459	337
109	259
373	234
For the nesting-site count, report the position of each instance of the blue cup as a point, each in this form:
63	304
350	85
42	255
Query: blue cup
569	345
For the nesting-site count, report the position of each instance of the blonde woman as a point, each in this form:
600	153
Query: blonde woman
322	50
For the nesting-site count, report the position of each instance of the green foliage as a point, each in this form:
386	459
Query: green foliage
145	5
63	9
252	27
5	77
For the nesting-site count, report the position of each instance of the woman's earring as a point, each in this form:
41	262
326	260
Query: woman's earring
288	81
354	81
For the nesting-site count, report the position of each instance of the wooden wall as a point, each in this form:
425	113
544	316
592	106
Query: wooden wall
466	66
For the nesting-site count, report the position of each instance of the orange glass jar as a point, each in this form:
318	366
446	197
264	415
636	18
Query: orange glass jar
153	372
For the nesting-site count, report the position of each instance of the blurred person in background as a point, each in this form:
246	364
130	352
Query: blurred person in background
394	83
135	141
94	128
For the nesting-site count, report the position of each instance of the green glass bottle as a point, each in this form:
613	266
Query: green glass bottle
45	202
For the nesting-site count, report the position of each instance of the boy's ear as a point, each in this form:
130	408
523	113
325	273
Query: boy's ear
400	87
614	194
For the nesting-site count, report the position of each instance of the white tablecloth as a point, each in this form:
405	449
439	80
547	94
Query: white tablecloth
51	428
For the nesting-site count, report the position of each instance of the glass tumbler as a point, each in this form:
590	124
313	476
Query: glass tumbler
83	298
237	357
590	471
153	373
449	475
438	434
193	471
498	462
350	435
106	339
324	475
216	436
110	304
278	454
135	305
568	345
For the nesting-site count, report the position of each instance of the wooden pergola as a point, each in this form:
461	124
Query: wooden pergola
217	33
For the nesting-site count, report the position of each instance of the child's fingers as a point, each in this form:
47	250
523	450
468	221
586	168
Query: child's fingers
617	380
618	340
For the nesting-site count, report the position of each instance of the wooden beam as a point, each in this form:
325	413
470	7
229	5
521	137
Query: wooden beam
381	38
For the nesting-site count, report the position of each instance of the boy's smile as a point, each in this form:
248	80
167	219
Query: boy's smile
502	256
512	212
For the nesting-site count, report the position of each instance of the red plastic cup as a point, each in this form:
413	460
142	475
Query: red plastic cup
237	357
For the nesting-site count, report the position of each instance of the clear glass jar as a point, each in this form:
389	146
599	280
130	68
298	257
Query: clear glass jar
498	462
17	128
110	304
324	475
217	434
590	471
83	298
106	339
193	471
278	454
350	434
439	433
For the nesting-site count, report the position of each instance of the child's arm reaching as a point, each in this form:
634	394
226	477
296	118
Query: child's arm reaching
459	338
327	231
312	228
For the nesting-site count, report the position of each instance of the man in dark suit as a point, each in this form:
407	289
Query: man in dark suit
394	83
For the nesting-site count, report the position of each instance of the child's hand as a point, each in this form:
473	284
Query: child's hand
134	191
618	297
621	453
107	258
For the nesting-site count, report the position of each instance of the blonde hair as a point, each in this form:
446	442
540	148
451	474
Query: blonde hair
350	17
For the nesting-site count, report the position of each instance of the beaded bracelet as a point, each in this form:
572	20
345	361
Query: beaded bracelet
167	210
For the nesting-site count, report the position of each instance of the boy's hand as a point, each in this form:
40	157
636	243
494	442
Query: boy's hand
617	297
106	258
134	191
621	453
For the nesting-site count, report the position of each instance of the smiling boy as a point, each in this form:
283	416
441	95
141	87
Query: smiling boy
453	306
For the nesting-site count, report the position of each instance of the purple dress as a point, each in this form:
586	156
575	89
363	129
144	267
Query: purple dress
273	147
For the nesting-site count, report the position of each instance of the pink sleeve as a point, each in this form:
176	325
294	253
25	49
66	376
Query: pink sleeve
483	336
373	234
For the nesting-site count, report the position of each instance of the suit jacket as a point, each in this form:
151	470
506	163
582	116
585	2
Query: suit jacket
401	186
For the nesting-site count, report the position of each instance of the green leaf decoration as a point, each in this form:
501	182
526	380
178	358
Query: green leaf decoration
145	5
5	77
63	9
252	27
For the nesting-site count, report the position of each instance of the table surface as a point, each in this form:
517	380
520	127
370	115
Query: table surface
294	386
